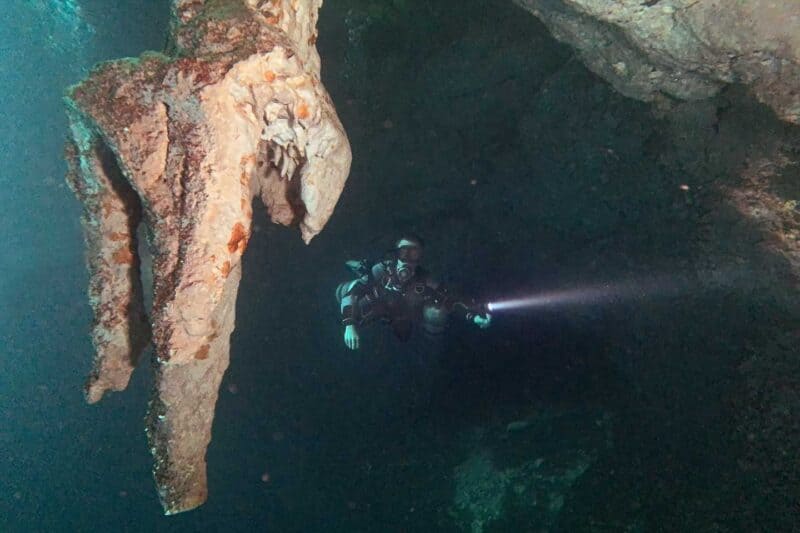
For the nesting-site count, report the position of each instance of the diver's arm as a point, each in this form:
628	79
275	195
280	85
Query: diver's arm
482	321
473	313
353	291
463	308
349	310
351	337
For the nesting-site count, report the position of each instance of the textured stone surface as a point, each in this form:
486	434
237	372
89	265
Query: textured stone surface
184	142
522	477
687	49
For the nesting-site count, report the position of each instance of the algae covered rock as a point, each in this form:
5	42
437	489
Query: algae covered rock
181	143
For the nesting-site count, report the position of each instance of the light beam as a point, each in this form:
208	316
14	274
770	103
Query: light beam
598	294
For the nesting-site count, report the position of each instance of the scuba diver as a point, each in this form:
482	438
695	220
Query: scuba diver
399	292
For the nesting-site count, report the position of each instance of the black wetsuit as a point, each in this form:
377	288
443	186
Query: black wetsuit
379	295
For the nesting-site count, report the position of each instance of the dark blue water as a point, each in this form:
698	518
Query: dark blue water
524	172
47	433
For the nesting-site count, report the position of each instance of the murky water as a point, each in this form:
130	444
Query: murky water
664	410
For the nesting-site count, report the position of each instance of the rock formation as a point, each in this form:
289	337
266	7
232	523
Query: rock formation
183	142
688	49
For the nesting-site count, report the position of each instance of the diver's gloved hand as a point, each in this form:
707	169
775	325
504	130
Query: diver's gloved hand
483	321
351	337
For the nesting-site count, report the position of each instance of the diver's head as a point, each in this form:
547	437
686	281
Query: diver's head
409	254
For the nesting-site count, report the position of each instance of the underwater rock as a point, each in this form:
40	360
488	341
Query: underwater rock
519	481
533	491
480	491
183	142
688	49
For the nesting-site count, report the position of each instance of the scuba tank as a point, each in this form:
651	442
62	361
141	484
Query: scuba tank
360	268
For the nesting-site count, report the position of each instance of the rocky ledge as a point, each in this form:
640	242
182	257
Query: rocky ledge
687	49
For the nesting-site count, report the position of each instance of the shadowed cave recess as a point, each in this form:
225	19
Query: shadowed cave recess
524	172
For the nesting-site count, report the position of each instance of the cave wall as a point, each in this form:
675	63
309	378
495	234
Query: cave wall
697	62
684	48
553	177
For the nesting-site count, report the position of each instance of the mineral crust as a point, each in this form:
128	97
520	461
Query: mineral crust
687	49
182	142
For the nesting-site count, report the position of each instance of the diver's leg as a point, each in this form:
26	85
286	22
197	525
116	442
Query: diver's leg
423	368
402	329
